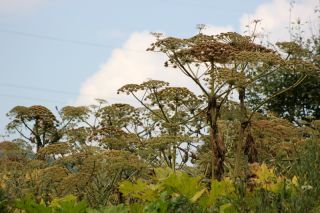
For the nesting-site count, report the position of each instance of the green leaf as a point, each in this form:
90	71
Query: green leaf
198	195
30	206
140	190
112	209
219	189
227	208
183	184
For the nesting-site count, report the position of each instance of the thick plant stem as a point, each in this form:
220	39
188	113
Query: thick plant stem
174	158
240	162
216	143
250	149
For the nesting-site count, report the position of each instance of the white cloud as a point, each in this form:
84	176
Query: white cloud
275	17
18	7
132	64
129	64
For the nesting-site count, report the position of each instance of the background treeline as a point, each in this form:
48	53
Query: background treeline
249	142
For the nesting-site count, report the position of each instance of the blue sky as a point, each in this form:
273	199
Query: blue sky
35	70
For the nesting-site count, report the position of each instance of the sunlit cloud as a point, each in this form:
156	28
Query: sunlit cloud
132	64
275	18
129	64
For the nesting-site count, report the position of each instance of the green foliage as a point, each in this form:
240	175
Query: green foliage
112	209
305	168
67	204
220	190
170	182
140	190
30	206
167	203
183	184
301	101
3	202
265	191
179	192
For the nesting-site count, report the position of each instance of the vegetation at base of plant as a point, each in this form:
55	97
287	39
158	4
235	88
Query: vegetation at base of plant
170	191
67	204
3	202
179	150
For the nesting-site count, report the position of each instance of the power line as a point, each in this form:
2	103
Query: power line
53	38
32	98
58	102
63	92
42	89
25	34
